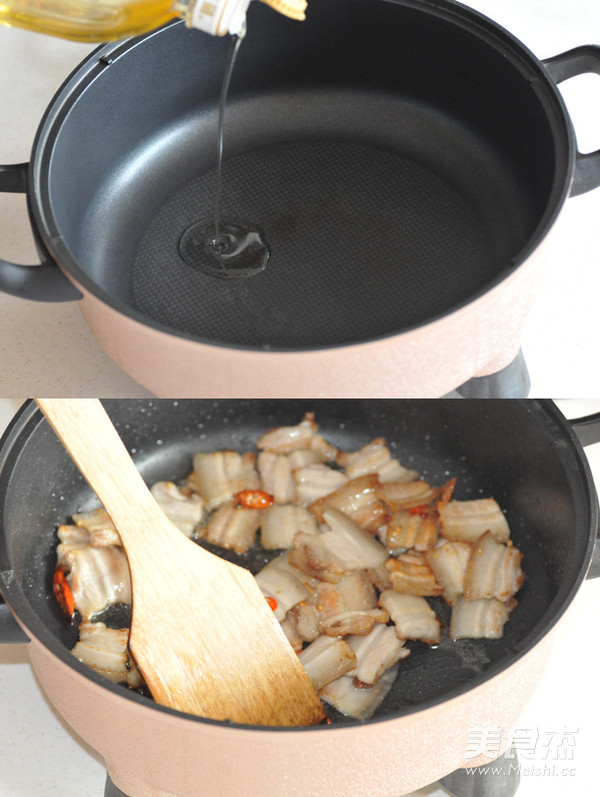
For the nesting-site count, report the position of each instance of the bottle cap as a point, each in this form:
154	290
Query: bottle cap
219	17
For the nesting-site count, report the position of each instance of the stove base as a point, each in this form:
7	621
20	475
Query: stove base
498	779
110	790
511	382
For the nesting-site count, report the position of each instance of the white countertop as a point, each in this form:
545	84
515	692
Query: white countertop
47	349
41	757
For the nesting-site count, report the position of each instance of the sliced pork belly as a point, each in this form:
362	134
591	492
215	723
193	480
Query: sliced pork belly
375	653
284	439
468	520
312	555
355	546
276	476
98	577
281	522
401	495
184	511
412	615
293	637
409	573
348	607
483	618
343	547
493	570
448	563
105	651
99	526
410	530
220	475
315	481
72	537
326	659
232	527
356	702
358	500
375	457
284	583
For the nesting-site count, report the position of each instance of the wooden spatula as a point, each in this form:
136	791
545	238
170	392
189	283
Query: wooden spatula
202	633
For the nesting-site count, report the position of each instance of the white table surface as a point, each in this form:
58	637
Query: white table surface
41	757
48	349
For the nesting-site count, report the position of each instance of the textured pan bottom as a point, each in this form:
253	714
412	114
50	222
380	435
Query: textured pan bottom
364	243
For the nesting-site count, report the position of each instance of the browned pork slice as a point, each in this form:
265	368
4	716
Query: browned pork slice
312	555
231	526
99	527
105	651
348	607
343	547
98	577
412	615
284	583
326	659
375	653
375	457
281	522
316	481
276	476
468	520
448	563
293	637
409	573
220	475
285	439
358	500
405	530
358	702
73	537
483	618
401	495
183	511
493	570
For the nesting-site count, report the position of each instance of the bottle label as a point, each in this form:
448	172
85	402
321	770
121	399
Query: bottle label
219	17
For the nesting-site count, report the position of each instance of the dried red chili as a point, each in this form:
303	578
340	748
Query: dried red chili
62	592
254	499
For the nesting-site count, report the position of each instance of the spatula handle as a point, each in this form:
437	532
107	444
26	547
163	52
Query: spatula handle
89	436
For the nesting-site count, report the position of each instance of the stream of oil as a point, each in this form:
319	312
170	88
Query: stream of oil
229	249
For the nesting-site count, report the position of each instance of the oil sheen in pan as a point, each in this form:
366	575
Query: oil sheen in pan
224	248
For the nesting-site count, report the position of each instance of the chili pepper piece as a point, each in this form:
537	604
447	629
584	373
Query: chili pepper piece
272	602
423	509
254	499
62	592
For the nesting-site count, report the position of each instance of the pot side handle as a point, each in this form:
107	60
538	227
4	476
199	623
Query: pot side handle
11	632
44	282
579	61
587	430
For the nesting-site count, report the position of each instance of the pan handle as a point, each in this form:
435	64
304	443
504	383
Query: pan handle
11	632
587	430
575	62
44	282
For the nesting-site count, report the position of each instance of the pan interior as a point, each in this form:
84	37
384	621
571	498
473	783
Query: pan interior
363	242
399	158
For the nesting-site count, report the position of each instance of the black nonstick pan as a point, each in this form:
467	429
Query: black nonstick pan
523	454
404	159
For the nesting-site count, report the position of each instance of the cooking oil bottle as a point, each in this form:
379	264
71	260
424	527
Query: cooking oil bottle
109	20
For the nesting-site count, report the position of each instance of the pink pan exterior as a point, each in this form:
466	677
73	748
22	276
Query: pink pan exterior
430	361
150	753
